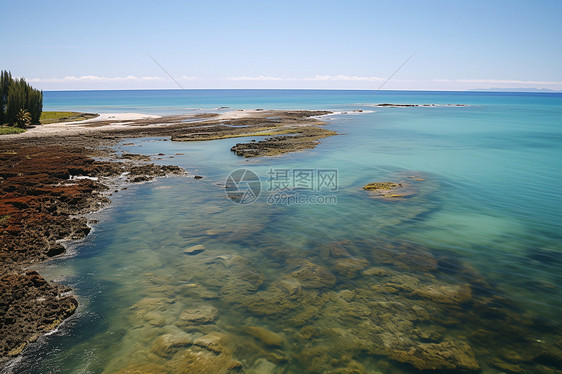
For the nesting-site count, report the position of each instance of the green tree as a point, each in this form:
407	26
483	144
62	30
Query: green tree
35	105
23	118
5	81
17	99
16	95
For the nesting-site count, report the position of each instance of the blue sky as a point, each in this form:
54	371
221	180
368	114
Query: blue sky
349	44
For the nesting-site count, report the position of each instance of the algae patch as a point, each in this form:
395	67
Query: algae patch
288	131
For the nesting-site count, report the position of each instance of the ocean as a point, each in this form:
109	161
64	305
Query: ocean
314	274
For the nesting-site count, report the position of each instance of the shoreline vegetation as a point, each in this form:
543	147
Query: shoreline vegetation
10	130
57	117
50	118
20	104
42	200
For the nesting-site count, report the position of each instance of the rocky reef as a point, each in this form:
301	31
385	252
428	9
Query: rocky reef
405	188
43	186
287	131
298	140
31	306
344	307
387	105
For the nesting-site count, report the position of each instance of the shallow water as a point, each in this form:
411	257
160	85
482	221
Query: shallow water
468	267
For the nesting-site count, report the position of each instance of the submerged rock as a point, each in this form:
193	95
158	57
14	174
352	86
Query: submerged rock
308	332
198	315
197	290
142	368
152	310
397	282
262	366
193	250
450	354
168	344
406	188
404	255
349	267
505	366
276	300
240	278
447	294
347	295
265	336
381	186
328	359
429	334
311	275
214	342
202	361
154	318
152	303
376	271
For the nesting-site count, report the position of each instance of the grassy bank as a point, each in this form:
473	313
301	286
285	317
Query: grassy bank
54	117
7	130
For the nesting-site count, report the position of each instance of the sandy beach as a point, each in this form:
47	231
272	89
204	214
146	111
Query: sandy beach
126	121
111	120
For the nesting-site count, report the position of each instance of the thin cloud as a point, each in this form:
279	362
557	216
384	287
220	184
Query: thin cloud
343	78
494	81
95	78
257	78
333	78
333	81
339	77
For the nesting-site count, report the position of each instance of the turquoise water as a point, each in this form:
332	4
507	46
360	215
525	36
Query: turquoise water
178	101
468	267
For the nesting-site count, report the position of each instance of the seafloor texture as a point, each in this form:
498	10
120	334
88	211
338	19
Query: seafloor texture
214	287
358	305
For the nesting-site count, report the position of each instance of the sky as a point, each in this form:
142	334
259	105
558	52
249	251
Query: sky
352	44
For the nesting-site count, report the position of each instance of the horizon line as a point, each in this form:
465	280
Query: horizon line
497	90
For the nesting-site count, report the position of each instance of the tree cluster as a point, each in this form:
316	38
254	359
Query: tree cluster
20	104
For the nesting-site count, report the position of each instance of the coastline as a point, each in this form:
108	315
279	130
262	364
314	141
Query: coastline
52	176
408	276
42	207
